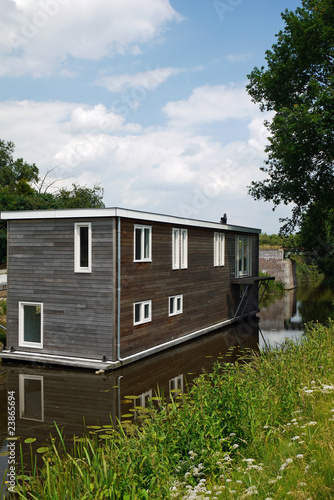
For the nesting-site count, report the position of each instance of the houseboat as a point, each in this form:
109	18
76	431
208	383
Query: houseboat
100	288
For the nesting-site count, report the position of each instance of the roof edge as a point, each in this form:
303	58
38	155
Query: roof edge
81	213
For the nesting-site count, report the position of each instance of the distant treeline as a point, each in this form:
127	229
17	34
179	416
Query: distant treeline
291	242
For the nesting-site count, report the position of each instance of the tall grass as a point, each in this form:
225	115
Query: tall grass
264	428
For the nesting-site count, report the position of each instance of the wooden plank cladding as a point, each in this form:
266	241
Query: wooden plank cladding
101	288
78	307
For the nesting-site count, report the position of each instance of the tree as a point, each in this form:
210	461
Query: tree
298	85
17	179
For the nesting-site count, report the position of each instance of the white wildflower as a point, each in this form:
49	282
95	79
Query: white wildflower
295	438
300	455
312	423
251	491
235	446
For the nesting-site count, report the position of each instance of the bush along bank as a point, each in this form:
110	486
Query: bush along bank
307	272
264	428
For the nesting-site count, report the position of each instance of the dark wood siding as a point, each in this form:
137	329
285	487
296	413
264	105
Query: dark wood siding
208	295
78	307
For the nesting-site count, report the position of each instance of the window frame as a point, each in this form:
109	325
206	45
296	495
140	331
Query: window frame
179	248
77	247
142	319
26	343
243	267
219	249
142	257
176	310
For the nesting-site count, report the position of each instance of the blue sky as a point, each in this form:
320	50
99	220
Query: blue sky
144	97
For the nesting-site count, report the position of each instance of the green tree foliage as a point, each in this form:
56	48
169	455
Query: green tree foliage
17	179
298	85
291	241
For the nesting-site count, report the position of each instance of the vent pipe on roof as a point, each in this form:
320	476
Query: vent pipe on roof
223	220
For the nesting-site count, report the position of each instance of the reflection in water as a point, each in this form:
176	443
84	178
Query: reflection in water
73	398
285	318
31	397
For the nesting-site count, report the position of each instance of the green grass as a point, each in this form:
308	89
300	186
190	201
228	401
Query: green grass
263	428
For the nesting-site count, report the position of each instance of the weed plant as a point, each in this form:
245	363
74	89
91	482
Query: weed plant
262	429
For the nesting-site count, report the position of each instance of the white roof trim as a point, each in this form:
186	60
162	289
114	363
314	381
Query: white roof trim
84	213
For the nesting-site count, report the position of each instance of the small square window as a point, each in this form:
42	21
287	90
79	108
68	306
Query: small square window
142	312
143	244
175	305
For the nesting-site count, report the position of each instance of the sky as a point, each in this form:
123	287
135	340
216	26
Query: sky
145	98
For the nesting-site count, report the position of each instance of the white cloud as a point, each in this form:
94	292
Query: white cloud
210	104
237	57
148	80
38	34
166	170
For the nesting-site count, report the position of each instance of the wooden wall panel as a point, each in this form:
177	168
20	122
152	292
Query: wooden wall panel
208	295
78	307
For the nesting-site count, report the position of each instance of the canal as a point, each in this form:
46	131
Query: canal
77	398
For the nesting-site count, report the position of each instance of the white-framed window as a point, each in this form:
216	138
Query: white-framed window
142	312
180	248
31	324
31	397
175	305
219	249
83	247
243	256
143	243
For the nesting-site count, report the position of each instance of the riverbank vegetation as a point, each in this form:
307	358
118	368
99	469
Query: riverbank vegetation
264	428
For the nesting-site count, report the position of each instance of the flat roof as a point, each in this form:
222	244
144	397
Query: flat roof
81	213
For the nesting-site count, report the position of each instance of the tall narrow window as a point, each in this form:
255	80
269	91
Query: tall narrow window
143	244
180	248
243	254
184	248
83	247
142	312
176	246
219	249
31	324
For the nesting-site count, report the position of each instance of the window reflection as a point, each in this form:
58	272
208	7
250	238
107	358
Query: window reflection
31	397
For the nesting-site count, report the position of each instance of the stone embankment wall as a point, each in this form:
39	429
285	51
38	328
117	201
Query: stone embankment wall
272	262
